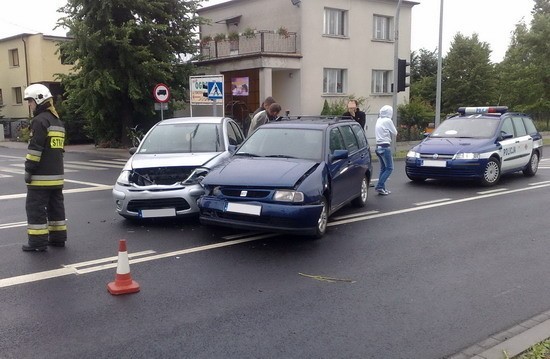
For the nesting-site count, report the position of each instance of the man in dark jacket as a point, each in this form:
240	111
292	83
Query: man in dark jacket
44	173
353	112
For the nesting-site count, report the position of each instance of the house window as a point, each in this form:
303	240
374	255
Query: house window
381	81
334	81
17	95
14	57
383	28
335	22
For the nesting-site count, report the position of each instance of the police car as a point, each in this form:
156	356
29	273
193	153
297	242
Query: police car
479	143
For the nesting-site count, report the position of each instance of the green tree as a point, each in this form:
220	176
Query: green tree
415	116
539	49
424	76
519	83
121	49
468	75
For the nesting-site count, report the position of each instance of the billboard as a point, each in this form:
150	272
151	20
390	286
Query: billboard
198	87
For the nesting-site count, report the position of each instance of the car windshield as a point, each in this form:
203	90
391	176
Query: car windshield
466	127
284	143
183	138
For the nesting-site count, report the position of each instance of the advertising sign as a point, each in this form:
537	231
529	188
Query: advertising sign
199	88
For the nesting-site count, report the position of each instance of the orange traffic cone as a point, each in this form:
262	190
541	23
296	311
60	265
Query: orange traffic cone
123	283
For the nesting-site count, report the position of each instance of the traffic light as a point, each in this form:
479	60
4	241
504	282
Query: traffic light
402	74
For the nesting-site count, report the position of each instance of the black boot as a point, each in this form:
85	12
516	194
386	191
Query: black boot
56	243
34	248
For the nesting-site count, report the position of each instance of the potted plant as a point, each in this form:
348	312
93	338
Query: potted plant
219	37
233	36
206	40
249	33
283	32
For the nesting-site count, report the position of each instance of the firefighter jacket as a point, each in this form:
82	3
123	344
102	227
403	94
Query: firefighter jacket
44	160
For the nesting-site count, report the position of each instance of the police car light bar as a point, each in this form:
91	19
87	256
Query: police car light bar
476	110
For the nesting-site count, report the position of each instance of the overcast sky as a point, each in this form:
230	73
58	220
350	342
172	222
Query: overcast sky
492	20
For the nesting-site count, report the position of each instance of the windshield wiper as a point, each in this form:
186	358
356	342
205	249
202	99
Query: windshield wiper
280	156
246	154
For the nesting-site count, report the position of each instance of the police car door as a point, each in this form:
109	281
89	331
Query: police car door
524	142
509	146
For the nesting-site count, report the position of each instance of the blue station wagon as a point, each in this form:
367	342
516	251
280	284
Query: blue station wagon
290	176
480	143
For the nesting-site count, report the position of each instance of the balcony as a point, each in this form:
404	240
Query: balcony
261	42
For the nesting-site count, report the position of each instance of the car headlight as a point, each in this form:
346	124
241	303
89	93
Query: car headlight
413	154
124	178
196	176
467	156
288	196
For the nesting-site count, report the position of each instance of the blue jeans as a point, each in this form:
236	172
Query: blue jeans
386	166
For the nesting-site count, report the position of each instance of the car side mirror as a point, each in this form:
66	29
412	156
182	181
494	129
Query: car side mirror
132	150
339	155
232	148
505	135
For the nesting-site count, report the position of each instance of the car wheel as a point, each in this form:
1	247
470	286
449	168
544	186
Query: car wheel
491	174
361	200
322	220
532	166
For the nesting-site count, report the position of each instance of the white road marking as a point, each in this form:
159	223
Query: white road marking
5	176
94	187
118	163
353	215
144	257
430	202
538	183
493	190
22	165
433	205
13	225
94	164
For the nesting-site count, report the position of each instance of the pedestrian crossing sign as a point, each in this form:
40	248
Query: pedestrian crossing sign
215	90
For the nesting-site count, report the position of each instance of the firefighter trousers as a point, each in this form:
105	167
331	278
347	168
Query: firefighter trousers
45	216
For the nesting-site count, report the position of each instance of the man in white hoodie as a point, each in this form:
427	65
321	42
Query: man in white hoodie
384	130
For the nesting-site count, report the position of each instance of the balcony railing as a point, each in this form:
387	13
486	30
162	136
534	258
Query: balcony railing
261	42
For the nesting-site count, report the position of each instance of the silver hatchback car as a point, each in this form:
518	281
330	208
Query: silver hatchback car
162	177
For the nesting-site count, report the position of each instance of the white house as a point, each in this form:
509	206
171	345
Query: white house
304	52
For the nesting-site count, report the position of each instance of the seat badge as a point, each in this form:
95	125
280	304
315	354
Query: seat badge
244	193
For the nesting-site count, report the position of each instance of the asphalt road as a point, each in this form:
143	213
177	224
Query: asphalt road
421	273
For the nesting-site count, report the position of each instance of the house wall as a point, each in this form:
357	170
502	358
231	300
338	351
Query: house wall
38	62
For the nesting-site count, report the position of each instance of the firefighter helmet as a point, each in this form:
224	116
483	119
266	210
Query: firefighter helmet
38	92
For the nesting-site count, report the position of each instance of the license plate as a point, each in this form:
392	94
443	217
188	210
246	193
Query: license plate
162	212
433	163
251	209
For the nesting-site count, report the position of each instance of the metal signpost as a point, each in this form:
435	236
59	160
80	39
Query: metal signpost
161	93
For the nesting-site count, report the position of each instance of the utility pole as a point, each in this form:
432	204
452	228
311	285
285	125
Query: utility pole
439	51
395	68
396	61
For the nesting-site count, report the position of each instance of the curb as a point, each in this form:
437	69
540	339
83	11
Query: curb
511	342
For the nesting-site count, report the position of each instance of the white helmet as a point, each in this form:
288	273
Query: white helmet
38	92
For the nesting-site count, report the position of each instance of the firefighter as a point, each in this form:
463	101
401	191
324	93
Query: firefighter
44	173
